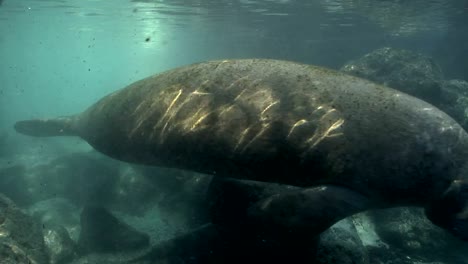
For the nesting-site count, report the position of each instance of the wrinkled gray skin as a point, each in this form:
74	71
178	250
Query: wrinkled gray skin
340	136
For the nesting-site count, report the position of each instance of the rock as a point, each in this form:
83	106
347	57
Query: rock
104	233
404	70
62	249
79	177
415	74
179	189
12	253
88	177
411	236
59	218
455	100
202	245
21	239
453	89
57	212
131	191
341	244
14	185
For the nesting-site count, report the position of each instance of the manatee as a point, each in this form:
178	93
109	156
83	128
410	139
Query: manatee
348	143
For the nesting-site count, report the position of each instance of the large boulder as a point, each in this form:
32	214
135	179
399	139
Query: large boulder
341	244
57	212
14	184
184	190
21	239
404	70
82	178
411	236
455	100
59	219
415	74
62	249
102	232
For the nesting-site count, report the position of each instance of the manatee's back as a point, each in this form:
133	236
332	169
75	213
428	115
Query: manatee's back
241	110
260	119
256	119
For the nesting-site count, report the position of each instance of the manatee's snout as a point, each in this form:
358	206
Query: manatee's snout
451	210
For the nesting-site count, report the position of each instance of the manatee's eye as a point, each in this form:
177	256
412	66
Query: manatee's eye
451	210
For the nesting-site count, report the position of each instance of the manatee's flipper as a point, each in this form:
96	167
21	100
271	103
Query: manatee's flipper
450	211
277	223
47	127
223	241
258	222
229	199
289	223
306	212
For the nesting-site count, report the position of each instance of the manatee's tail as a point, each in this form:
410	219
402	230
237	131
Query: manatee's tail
62	126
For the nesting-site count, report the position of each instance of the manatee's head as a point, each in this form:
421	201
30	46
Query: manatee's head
450	210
